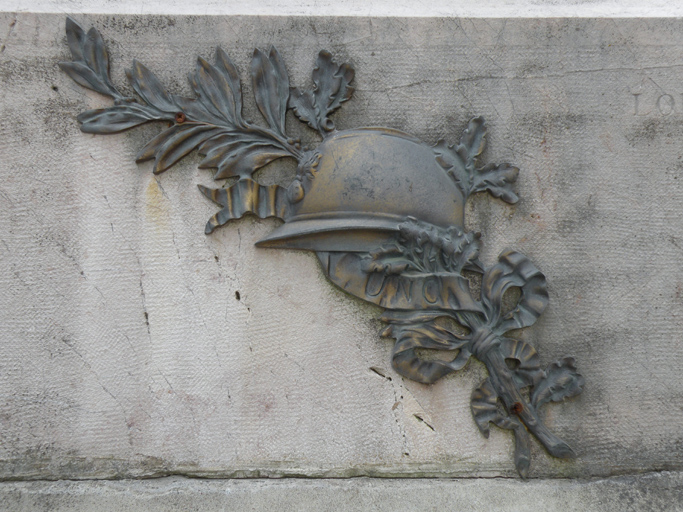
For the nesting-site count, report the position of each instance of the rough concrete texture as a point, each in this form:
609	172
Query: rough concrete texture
134	345
658	492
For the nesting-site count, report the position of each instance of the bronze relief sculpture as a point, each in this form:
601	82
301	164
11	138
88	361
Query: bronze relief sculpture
383	211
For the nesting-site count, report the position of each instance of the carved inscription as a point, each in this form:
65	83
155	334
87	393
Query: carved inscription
662	105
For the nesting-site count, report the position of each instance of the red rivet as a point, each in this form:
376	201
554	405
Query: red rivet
180	118
516	408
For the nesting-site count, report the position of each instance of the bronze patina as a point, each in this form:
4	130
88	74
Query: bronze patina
383	211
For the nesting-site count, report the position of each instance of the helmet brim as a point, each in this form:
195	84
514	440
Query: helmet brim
343	232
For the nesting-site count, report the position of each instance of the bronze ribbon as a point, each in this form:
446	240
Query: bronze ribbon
246	196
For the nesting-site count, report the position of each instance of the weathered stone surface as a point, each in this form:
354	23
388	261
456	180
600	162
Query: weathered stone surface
133	345
391	8
659	492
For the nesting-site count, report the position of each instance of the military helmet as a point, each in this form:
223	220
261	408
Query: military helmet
358	186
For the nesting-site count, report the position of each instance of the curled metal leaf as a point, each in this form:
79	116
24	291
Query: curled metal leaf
303	104
388	259
561	381
497	179
460	162
433	250
338	78
330	89
453	160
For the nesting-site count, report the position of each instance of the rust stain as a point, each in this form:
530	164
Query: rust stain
156	206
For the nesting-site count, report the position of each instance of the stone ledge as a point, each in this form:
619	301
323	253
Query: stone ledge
390	8
661	491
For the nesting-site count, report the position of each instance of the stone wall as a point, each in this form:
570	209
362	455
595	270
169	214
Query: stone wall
133	345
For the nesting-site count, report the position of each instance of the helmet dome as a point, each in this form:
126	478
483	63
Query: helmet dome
359	186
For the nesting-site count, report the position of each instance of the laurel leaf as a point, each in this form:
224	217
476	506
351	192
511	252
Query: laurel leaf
217	95
282	85
150	149
149	88
225	65
83	75
75	36
113	119
247	159
180	144
195	111
220	153
90	66
210	146
95	54
271	87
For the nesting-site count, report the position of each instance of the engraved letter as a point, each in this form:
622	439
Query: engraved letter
431	289
666	107
636	105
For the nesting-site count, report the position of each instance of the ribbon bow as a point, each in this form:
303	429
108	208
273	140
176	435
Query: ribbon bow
512	364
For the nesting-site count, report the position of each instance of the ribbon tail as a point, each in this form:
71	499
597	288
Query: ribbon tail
246	196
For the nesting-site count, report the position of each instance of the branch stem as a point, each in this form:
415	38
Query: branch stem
504	384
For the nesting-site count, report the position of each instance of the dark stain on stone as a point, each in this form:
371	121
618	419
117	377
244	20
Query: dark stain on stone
648	130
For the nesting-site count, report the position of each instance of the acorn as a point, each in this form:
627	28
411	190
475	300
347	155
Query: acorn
295	191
